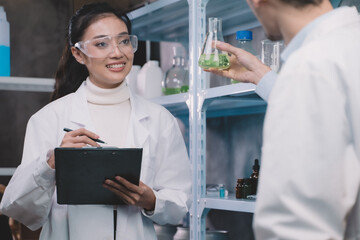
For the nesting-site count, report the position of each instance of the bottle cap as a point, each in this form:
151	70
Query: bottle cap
240	180
2	13
244	35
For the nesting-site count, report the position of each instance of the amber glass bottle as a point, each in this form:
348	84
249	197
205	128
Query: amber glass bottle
254	177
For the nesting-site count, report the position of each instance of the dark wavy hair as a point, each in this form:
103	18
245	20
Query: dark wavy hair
302	3
70	74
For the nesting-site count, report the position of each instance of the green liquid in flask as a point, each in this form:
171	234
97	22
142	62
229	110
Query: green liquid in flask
208	62
170	91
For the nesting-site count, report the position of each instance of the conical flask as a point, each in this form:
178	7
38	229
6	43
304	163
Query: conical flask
211	57
176	78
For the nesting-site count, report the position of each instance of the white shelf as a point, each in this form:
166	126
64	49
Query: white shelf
175	103
7	171
229	203
230	100
27	84
234	99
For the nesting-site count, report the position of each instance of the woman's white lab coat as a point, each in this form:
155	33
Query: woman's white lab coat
31	197
310	175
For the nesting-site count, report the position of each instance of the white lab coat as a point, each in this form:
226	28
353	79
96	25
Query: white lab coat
31	197
310	175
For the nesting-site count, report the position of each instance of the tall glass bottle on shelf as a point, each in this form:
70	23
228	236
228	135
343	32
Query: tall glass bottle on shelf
177	77
244	41
211	57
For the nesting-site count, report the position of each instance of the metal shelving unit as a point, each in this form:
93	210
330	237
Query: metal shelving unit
185	22
27	84
228	204
168	20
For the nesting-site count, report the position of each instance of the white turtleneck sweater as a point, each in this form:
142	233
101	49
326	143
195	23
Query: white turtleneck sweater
110	112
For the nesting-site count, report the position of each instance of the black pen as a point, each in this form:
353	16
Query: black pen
96	140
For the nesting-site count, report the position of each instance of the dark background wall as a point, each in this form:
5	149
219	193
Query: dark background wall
37	29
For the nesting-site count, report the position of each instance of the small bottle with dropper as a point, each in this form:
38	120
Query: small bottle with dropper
254	177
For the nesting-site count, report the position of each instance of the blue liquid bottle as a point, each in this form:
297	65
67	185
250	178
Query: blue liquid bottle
4	44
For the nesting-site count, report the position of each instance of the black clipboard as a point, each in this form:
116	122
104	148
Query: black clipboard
80	173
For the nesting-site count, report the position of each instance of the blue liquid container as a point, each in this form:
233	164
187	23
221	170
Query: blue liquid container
221	190
4	44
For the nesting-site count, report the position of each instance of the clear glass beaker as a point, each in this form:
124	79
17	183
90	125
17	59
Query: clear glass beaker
210	56
270	53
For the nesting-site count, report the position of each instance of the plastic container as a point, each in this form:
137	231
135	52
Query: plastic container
149	80
177	77
131	78
4	44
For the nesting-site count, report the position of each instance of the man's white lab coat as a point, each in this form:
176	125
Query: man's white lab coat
31	197
310	174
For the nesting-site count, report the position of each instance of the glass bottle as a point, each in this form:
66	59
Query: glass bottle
221	190
270	53
244	41
246	188
177	77
211	57
255	176
239	188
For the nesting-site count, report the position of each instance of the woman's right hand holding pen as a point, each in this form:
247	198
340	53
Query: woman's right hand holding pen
75	139
244	67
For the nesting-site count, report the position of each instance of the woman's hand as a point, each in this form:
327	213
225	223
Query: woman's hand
131	194
75	139
244	67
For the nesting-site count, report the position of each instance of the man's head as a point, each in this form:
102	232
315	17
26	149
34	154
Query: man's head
282	19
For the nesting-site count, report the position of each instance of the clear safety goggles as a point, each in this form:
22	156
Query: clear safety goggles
104	46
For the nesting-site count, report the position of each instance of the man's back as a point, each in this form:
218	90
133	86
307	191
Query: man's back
311	153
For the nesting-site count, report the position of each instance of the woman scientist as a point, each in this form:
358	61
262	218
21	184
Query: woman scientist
100	49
